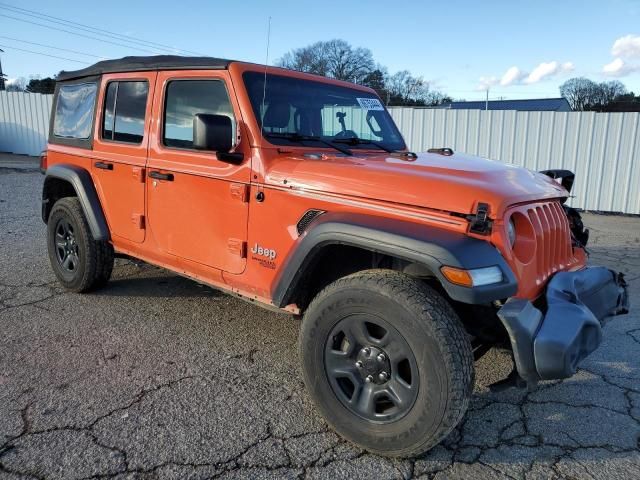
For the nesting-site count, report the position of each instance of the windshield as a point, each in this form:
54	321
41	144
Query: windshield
297	110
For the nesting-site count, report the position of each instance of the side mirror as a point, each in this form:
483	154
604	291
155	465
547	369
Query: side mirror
214	133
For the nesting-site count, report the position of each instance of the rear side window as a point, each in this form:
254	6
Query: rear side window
74	110
124	110
185	98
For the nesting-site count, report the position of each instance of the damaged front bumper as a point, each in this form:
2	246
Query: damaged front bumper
551	345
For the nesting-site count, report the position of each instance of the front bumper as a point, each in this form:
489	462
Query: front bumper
551	345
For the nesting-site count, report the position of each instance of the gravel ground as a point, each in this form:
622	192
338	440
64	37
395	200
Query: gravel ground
156	376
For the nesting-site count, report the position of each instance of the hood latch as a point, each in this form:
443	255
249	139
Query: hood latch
480	222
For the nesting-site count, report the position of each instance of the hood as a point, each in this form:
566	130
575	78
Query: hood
455	183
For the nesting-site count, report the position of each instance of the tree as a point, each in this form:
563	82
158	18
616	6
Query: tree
584	94
628	102
579	92
376	80
337	59
608	92
334	58
402	88
44	85
16	85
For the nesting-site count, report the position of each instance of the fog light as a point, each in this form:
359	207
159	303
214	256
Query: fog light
472	278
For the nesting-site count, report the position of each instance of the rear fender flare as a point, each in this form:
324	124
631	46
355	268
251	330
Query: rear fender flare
82	183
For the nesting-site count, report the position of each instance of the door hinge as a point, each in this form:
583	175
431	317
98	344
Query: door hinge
138	220
237	247
240	191
138	174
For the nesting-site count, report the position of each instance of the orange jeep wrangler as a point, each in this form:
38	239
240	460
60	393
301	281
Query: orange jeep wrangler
297	192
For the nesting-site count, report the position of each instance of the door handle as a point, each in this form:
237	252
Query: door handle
104	165
161	176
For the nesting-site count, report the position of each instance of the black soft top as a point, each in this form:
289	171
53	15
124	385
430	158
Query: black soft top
139	64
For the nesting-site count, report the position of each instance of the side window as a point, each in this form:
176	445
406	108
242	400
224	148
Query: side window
124	109
185	98
74	110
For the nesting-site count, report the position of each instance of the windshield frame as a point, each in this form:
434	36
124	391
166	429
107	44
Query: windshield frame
292	75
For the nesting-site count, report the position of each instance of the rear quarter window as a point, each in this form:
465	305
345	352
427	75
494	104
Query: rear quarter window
124	111
75	105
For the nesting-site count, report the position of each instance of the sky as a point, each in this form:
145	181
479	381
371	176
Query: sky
515	49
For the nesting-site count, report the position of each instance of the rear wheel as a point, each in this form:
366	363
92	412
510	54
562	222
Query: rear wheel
387	361
79	262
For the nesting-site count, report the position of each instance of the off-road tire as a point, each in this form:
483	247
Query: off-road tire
433	332
95	257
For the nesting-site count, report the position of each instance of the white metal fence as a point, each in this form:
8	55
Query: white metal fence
24	122
603	149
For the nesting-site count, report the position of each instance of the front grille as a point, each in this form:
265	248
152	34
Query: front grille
553	239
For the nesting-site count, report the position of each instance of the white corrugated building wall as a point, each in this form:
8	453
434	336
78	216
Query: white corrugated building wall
603	149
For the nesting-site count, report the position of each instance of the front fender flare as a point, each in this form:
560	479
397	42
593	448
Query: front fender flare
82	183
425	245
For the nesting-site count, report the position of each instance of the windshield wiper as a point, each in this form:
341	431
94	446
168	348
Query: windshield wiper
362	141
296	137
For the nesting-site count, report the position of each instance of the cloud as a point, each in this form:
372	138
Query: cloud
619	68
486	83
626	47
516	76
511	76
548	69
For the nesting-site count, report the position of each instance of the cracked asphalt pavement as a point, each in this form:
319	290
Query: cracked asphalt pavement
156	376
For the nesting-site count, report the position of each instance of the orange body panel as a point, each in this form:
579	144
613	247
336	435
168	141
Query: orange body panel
208	225
121	188
198	214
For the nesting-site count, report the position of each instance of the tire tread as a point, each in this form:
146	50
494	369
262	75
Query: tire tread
99	254
445	325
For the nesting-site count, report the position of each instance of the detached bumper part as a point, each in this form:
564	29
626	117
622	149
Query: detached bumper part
551	345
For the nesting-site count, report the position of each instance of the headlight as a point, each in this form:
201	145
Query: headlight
476	277
485	276
511	232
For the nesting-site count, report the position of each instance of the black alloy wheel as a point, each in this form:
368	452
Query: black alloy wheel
67	247
371	368
80	262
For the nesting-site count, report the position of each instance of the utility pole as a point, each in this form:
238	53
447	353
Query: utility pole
486	102
2	75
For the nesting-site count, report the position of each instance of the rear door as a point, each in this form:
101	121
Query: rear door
197	205
120	151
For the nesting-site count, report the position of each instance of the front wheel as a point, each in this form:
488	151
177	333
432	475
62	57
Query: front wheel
387	362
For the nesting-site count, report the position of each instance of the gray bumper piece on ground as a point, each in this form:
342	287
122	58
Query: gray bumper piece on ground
551	345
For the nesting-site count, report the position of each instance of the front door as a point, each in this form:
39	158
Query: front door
197	205
120	151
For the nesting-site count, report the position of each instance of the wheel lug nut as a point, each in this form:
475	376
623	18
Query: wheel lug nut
369	379
381	357
367	350
383	376
359	364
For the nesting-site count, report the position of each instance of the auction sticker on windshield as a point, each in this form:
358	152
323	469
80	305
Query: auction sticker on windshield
370	104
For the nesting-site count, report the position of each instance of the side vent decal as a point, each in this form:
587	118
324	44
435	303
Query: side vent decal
306	219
